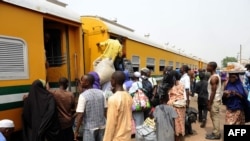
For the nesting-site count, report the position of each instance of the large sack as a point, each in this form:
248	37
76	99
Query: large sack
104	69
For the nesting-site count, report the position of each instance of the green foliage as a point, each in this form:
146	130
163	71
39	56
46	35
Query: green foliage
228	59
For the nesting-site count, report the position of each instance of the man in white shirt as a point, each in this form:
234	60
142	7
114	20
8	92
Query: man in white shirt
185	80
136	83
214	100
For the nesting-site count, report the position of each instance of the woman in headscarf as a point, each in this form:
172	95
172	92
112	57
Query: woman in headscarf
40	121
128	82
176	98
96	84
164	85
234	97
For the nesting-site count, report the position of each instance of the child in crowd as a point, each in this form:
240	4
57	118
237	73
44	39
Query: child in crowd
164	117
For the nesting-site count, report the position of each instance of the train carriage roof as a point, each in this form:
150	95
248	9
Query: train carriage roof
129	33
46	7
118	29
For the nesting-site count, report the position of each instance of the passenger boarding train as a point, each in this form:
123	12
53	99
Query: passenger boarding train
33	31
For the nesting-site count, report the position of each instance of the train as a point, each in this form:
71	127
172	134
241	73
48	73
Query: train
35	32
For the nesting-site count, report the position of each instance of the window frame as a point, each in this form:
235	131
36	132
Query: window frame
162	65
171	63
17	75
150	65
177	65
135	64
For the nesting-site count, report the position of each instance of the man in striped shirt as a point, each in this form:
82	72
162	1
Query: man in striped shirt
90	111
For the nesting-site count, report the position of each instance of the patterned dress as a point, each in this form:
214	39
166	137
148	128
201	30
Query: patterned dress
177	93
236	117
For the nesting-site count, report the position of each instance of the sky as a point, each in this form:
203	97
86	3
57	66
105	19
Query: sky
208	29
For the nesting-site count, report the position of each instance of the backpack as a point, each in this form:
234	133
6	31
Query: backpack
147	87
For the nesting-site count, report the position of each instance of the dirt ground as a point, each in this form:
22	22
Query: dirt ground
200	133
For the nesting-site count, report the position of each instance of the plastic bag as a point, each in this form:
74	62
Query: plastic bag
140	101
104	69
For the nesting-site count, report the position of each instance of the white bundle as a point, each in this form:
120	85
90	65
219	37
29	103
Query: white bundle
104	68
235	66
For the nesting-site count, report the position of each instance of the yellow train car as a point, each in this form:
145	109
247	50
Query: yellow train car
31	32
142	51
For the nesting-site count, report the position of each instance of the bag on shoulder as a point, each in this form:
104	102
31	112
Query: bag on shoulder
140	101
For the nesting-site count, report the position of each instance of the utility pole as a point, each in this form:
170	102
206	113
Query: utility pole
240	52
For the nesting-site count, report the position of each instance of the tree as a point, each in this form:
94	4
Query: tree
228	59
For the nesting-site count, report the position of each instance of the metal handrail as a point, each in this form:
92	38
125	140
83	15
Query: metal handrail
57	60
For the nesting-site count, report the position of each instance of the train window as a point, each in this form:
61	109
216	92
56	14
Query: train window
13	58
52	39
162	65
177	65
135	63
151	64
171	63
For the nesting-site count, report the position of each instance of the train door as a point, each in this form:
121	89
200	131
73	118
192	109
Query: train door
127	65
56	45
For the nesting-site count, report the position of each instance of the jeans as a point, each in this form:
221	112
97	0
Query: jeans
93	135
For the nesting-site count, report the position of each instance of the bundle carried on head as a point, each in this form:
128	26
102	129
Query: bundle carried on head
234	67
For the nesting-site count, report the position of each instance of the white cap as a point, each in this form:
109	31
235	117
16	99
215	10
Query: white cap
137	74
6	123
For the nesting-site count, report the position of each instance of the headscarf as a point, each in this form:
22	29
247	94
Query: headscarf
234	102
223	76
40	119
170	78
128	83
96	84
126	75
168	82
